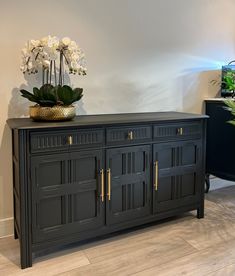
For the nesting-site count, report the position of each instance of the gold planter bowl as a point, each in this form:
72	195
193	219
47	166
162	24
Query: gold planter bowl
55	113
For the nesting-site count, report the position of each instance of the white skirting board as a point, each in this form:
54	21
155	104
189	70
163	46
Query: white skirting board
6	227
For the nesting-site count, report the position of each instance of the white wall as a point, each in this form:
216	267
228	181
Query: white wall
142	55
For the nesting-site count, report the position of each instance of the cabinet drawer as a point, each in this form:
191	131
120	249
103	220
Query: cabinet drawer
52	140
125	135
177	131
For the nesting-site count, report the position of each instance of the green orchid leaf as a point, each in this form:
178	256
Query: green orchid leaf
46	87
68	88
36	91
28	95
77	94
67	95
49	95
46	103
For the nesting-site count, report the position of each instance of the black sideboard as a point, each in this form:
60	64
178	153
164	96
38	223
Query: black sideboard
99	174
220	153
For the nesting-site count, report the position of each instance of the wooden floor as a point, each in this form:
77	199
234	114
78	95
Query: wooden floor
180	246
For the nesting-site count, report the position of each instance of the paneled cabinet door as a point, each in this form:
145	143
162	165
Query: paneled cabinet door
128	183
66	194
85	202
176	174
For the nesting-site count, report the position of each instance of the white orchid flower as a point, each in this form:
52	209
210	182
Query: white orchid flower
73	46
74	64
44	40
46	63
35	43
75	56
50	53
30	65
39	53
23	68
53	42
66	41
53	55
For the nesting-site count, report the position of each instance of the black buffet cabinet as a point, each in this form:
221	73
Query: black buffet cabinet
99	174
220	157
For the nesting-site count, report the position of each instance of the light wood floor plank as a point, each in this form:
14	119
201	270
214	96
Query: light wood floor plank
197	264
225	271
145	255
131	242
51	264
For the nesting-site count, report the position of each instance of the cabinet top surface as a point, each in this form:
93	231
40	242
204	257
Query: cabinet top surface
104	119
221	100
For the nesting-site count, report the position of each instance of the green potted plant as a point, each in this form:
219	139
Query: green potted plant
230	106
228	83
54	100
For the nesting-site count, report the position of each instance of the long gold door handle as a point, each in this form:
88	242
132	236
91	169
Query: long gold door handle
70	140
109	184
130	135
102	184
180	131
156	175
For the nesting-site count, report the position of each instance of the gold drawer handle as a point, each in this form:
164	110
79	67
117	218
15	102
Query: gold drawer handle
70	140
102	184
180	131
109	184
130	135
156	175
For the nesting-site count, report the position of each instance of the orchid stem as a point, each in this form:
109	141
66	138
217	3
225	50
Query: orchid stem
55	73
60	70
47	75
43	76
50	70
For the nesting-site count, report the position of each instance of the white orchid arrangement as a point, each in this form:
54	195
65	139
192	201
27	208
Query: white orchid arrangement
43	55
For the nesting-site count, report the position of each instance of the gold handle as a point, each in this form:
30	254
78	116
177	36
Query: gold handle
156	175
109	184
130	135
102	184
70	140
180	131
